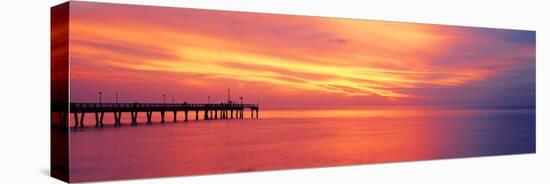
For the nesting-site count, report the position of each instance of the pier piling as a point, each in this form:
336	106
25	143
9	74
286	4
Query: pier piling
162	116
99	119
149	116
186	115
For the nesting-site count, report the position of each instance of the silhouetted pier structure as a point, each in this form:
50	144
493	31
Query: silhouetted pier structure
209	111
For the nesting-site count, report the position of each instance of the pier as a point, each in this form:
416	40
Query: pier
208	111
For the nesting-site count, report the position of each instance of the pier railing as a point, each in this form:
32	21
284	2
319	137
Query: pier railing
126	107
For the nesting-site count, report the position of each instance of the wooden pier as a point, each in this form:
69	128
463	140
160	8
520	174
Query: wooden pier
209	111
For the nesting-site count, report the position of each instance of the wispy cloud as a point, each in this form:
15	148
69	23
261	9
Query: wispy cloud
302	55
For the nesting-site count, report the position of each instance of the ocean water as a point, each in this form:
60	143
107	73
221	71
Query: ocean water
293	138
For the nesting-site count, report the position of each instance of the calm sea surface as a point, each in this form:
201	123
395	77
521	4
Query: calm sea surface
283	139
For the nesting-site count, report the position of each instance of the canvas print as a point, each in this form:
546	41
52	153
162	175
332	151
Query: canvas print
146	91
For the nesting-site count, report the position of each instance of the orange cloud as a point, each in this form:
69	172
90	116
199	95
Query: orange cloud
334	56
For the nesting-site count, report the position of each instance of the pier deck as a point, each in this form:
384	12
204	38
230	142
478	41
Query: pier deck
209	111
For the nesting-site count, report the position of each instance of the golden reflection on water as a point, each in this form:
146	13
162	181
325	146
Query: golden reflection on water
368	113
284	139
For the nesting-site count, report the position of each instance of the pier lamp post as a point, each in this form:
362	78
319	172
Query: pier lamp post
100	93
228	96
116	98
241	100
163	99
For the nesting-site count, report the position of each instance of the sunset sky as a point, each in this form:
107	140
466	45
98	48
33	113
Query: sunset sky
142	52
